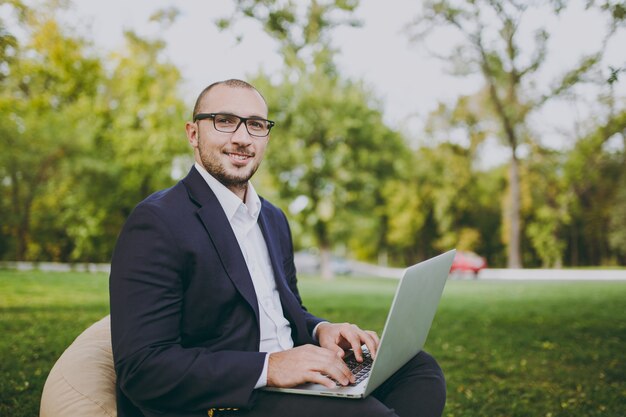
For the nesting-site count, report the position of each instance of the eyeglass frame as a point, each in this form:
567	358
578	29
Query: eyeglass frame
244	120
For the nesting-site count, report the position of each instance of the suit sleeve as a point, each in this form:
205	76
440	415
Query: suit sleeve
154	370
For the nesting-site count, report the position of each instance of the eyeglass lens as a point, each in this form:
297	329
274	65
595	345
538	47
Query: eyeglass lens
229	123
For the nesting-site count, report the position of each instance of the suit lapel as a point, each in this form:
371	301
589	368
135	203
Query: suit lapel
224	241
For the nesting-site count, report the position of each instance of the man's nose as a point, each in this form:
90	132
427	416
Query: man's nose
241	135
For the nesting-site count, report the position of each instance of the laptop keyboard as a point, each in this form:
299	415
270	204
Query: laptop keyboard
359	370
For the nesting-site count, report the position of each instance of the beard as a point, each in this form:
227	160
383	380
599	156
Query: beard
216	168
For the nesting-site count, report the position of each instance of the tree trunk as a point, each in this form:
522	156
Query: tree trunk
321	232
383	257
326	268
574	245
514	258
22	239
20	218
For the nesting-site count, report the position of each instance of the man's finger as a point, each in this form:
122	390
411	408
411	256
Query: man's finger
374	336
374	342
318	378
336	370
354	340
372	345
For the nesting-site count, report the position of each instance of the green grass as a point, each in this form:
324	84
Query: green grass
507	348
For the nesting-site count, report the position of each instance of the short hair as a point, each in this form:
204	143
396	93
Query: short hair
233	82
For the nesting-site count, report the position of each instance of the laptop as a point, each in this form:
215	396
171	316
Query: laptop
408	322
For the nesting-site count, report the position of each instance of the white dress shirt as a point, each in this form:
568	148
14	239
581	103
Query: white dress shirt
243	218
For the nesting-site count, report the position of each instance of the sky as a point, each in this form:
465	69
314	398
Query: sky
403	75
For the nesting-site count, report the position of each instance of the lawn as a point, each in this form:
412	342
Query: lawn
508	348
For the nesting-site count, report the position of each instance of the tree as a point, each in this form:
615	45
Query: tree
334	150
445	202
8	41
332	153
303	31
617	221
595	183
490	46
140	134
547	210
80	145
46	100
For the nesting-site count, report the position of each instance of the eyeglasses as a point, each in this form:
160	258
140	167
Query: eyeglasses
229	123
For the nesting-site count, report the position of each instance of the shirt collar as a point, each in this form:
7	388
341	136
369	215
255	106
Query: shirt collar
229	200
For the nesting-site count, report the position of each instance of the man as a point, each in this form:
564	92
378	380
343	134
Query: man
205	309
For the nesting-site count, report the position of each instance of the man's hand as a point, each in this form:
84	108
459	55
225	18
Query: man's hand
307	363
343	336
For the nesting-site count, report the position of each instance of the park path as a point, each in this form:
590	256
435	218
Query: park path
305	265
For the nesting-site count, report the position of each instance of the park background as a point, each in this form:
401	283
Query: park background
511	144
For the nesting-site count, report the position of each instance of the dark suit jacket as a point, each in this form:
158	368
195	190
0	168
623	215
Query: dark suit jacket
184	314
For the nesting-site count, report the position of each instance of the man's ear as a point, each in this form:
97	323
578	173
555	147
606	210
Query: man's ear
192	133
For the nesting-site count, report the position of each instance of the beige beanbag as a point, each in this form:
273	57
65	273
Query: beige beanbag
82	382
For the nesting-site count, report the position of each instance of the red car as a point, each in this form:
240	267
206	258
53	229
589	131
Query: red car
468	262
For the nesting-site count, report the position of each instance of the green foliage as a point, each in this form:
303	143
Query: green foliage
507	348
616	9
441	201
490	45
595	178
81	145
8	43
85	136
547	215
332	149
617	219
46	101
614	76
335	152
302	30
165	17
140	114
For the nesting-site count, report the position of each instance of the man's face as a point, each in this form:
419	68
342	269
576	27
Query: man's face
232	158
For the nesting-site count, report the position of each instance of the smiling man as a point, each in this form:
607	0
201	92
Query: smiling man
205	308
231	158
